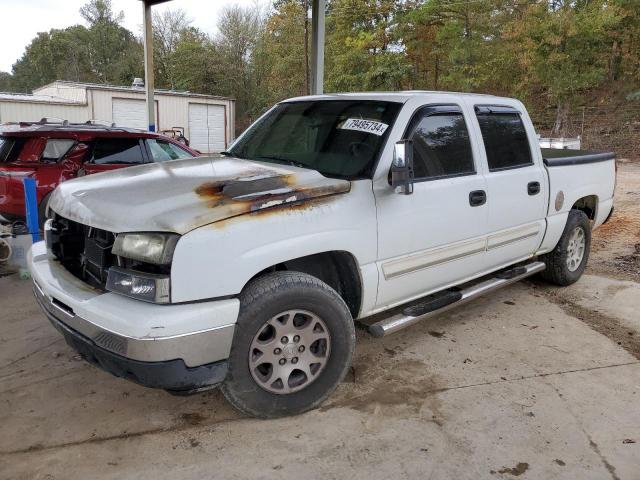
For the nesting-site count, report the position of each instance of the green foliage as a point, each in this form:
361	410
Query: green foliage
104	52
280	54
363	51
5	82
549	52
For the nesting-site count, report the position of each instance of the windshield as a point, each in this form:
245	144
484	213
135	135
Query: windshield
338	138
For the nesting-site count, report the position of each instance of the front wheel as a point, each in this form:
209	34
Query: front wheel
566	263
293	345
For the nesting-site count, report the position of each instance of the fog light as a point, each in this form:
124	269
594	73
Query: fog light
143	286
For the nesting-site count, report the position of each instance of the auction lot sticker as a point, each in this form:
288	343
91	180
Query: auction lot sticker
367	126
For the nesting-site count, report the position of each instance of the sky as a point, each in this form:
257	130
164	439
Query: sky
22	20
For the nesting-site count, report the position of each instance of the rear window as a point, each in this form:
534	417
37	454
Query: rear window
56	148
117	151
161	151
505	139
10	148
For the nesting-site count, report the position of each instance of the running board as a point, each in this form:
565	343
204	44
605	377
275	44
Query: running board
448	299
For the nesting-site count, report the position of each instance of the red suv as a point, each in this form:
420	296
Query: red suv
54	152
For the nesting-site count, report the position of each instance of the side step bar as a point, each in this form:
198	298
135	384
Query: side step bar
443	301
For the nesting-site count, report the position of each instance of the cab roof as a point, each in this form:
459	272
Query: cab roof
400	96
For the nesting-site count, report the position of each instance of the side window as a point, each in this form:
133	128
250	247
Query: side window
56	148
441	145
505	139
161	151
117	151
10	148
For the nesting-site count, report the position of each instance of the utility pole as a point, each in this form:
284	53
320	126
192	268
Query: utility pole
305	7
317	46
149	80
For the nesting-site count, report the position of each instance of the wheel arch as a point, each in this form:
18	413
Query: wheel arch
337	268
587	204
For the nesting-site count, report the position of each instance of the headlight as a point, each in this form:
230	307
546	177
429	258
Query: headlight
48	233
143	286
155	248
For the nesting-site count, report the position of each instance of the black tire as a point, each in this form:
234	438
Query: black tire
558	271
42	211
265	298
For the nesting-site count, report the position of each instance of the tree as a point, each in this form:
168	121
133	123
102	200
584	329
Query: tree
567	49
240	30
558	53
363	48
6	83
113	50
53	55
170	29
281	53
100	11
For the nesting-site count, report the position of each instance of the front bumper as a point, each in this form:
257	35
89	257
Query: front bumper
172	375
175	347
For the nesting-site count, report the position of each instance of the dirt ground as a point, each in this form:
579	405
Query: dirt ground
530	382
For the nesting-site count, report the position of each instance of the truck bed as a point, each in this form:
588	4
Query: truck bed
555	157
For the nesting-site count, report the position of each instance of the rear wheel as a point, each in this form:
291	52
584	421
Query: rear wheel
293	345
566	263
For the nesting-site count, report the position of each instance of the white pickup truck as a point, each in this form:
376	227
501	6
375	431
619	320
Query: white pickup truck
248	270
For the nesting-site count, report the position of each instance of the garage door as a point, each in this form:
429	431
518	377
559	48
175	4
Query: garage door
127	112
207	127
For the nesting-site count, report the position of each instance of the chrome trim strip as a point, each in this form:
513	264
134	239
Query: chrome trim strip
430	258
439	255
195	348
513	240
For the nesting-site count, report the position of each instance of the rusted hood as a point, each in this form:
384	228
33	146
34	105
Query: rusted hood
182	195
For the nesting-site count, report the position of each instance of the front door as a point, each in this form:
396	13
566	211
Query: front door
436	236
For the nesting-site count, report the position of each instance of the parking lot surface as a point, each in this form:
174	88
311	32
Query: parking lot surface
530	382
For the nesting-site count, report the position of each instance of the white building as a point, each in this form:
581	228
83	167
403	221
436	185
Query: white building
208	120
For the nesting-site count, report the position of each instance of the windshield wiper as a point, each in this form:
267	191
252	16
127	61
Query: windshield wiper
293	163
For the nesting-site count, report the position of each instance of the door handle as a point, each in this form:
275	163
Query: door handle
533	188
477	198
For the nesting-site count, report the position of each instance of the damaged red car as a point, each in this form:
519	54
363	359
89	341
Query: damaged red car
54	152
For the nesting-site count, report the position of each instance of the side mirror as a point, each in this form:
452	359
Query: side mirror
402	167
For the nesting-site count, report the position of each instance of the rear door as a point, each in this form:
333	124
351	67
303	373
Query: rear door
516	185
109	153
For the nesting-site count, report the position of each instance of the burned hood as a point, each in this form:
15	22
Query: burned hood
181	195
